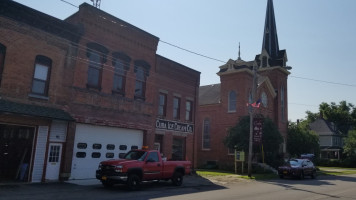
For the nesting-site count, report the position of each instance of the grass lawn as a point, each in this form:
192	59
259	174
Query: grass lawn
336	171
257	176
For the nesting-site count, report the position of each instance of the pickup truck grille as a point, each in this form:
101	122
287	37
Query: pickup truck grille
107	168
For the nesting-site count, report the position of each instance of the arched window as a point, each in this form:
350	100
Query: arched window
282	104
232	101
206	134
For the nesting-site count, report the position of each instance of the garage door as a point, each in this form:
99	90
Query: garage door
93	144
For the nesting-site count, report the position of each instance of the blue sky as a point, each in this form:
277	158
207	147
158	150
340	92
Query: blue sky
319	36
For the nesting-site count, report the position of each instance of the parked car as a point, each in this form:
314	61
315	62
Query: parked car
309	156
297	168
141	165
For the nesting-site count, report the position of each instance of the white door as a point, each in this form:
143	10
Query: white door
53	161
93	144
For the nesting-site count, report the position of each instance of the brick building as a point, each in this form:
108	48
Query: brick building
85	89
221	105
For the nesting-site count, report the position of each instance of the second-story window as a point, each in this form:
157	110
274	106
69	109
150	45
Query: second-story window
176	108
188	111
232	101
141	70
2	60
162	105
121	66
40	82
95	70
97	58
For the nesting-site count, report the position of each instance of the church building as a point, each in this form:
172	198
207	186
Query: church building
221	105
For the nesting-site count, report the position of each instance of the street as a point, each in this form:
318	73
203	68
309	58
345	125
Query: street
194	187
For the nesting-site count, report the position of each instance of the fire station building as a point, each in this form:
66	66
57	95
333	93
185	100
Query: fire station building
88	88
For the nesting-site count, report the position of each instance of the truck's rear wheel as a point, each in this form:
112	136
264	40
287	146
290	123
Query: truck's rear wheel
177	179
133	182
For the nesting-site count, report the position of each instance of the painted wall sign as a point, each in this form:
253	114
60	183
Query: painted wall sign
174	126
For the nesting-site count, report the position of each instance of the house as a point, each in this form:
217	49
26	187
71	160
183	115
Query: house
88	88
330	138
221	105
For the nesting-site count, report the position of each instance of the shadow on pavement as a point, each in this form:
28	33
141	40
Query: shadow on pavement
94	190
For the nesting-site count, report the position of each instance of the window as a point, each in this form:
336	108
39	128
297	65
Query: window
264	99
282	104
134	147
176	108
264	61
96	155
95	70
121	65
97	58
123	147
110	146
54	153
141	70
140	85
2	59
109	155
82	145
189	111
96	146
153	157
232	101
40	81
81	154
206	134
162	105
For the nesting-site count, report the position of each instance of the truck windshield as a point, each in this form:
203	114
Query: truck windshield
135	155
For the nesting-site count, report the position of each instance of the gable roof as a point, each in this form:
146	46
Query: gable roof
209	94
323	127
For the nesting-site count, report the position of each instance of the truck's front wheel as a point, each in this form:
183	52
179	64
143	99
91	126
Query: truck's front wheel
177	179
133	182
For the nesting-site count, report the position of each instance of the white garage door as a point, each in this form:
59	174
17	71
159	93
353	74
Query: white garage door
93	144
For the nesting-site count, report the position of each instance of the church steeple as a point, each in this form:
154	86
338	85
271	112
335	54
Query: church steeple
270	38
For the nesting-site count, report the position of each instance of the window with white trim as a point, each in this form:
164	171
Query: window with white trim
40	82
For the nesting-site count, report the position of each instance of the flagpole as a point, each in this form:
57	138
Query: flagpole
251	122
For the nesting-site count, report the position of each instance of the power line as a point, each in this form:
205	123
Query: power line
322	81
193	52
181	48
70	3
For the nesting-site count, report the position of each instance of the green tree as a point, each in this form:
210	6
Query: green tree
343	115
350	144
301	140
271	138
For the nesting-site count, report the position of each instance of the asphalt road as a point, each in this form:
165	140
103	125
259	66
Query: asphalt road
324	187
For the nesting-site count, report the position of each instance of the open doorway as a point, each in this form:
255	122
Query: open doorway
16	143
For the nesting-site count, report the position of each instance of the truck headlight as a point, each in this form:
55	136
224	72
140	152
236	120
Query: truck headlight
118	168
100	165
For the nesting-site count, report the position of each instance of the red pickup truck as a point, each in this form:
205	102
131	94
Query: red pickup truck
141	165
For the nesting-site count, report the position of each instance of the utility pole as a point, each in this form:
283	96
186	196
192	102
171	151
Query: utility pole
254	88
